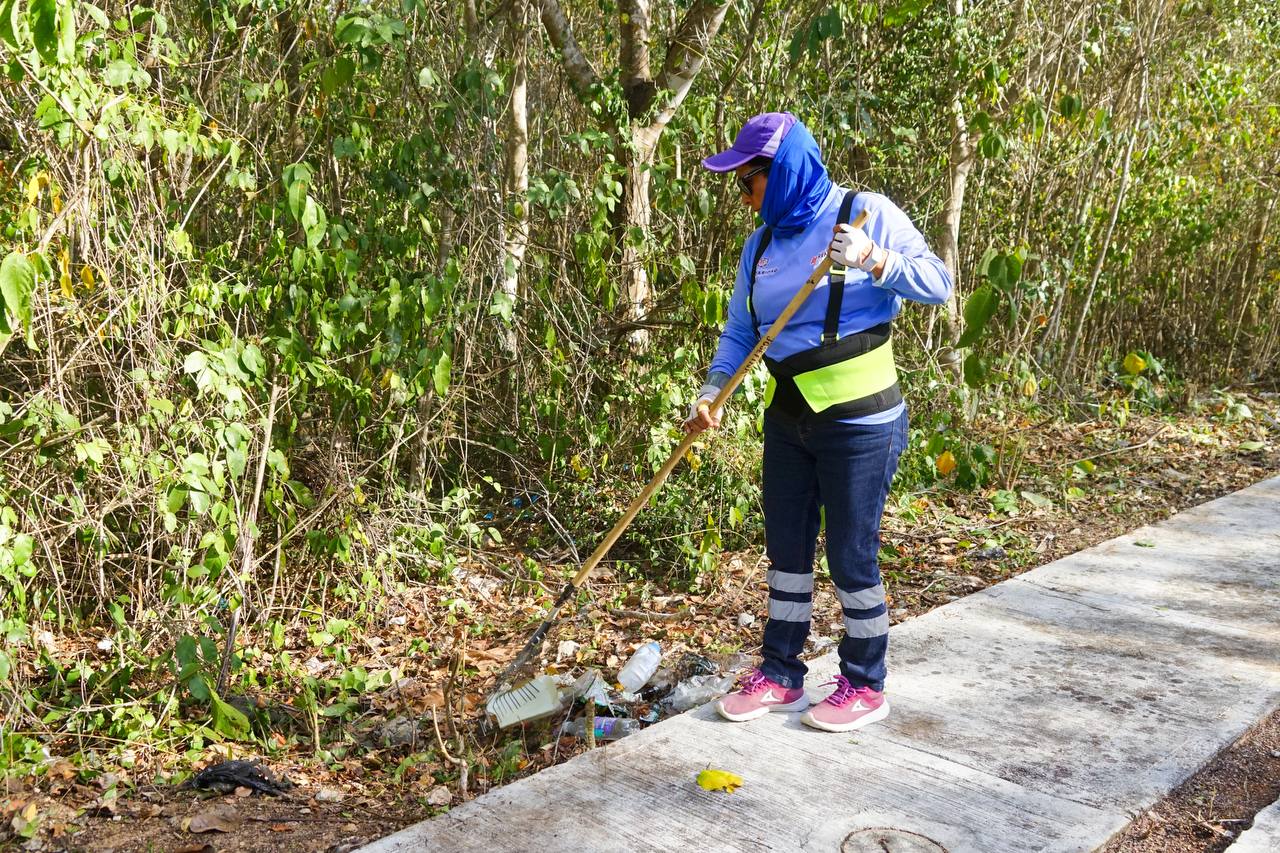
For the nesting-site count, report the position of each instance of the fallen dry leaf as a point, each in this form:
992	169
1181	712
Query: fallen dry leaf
62	769
219	818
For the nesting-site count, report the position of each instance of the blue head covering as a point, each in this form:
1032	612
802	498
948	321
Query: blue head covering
798	183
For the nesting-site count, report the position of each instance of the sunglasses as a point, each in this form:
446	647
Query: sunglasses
744	181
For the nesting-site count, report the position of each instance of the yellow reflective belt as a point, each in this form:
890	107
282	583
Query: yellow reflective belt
844	381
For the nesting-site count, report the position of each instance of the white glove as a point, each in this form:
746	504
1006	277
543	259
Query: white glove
851	247
706	395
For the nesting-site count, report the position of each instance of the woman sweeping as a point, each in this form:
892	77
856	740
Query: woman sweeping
835	421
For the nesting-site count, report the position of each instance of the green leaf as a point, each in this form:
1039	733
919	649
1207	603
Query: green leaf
350	30
992	145
1004	270
42	17
199	501
17	280
341	73
297	181
99	17
180	241
975	371
314	222
177	497
237	461
195	362
252	361
118	73
904	12
978	309
161	406
1070	106
199	688
186	650
440	373
227	720
9	22
503	305
66	34
1251	446
23	547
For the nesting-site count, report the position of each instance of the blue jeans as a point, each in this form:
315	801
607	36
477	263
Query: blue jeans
846	469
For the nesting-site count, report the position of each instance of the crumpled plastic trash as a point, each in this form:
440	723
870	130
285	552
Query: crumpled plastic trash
698	690
692	664
591	685
225	776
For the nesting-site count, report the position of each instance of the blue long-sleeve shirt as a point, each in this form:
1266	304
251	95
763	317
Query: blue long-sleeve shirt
911	271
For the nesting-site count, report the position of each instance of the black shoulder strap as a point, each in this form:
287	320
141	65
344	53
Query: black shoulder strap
755	263
835	282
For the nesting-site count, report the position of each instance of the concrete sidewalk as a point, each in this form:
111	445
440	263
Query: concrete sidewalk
1037	715
1263	836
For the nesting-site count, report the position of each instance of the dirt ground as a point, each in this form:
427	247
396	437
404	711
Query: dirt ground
1206	813
939	546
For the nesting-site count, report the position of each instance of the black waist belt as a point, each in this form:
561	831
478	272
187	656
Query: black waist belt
847	377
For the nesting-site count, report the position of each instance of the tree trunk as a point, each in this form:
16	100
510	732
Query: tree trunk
1250	283
515	182
686	50
958	169
636	291
1073	347
961	160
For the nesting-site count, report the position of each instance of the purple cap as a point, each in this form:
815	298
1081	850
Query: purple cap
759	137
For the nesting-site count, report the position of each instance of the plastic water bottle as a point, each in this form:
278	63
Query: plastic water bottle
641	667
607	728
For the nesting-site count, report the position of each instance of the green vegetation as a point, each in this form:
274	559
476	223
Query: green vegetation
303	302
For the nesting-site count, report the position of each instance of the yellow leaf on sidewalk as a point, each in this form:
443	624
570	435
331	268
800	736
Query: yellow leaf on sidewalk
719	780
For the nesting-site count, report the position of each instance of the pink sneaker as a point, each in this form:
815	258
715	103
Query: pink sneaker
756	696
847	708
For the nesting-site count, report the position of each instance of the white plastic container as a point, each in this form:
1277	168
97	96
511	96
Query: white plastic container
643	664
527	701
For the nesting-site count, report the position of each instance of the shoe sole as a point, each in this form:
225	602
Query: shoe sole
865	720
797	705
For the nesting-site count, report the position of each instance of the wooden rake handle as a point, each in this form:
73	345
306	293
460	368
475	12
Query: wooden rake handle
757	352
